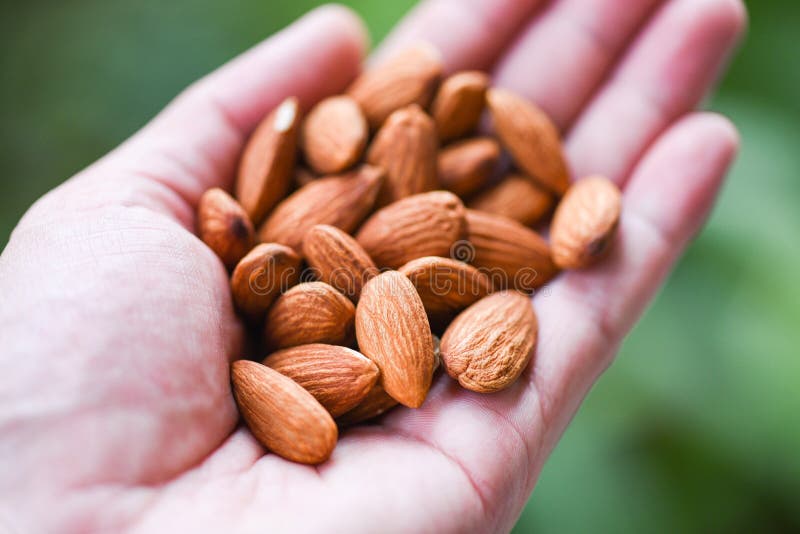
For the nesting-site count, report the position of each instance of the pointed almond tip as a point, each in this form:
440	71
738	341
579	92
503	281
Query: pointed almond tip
473	77
374	175
496	95
286	114
430	50
415	402
237	367
408	397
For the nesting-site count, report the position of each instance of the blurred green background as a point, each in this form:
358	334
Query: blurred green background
696	428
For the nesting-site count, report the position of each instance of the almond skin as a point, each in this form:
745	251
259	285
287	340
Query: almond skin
312	312
466	166
531	138
338	377
265	170
341	201
490	343
377	402
516	197
512	255
338	260
445	286
428	224
409	77
334	135
224	226
459	104
393	331
406	147
263	274
585	222
282	416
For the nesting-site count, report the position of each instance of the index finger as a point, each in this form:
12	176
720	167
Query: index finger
469	34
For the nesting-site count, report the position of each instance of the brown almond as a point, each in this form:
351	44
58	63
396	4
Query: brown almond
531	138
490	343
338	260
516	197
429	224
585	222
410	77
263	274
406	147
334	135
459	104
283	417
341	201
377	402
393	331
338	377
512	255
312	312
445	286
224	226
466	166
265	170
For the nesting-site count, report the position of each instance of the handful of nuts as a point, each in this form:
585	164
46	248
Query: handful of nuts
380	224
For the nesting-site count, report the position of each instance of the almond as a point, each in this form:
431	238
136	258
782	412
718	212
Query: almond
338	260
312	312
265	170
459	104
428	224
341	201
338	377
393	331
585	222
406	148
531	138
512	255
334	135
223	225
516	197
466	166
376	403
263	274
445	286
410	77
490	343
282	416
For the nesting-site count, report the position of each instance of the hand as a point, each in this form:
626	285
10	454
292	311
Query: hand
118	330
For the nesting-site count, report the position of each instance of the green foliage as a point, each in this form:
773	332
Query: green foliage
694	429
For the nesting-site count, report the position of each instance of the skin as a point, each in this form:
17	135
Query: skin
117	327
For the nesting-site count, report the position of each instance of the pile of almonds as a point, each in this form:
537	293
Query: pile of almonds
393	239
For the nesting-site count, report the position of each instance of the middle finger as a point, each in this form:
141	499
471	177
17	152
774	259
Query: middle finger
563	55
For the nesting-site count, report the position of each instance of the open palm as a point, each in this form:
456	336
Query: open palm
117	327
